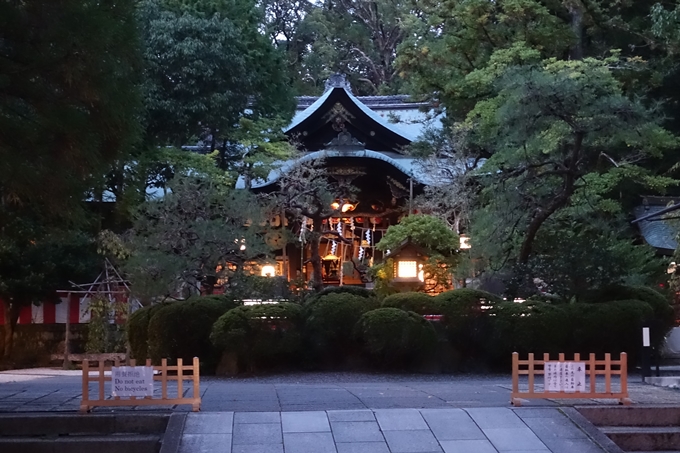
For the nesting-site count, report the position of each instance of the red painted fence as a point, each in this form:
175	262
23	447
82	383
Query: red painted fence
55	313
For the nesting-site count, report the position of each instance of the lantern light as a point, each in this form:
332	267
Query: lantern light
268	271
407	269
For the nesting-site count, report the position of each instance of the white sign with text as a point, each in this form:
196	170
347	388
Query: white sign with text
132	381
567	377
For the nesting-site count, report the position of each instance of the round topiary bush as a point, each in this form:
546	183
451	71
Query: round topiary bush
394	337
182	329
345	289
330	323
138	329
411	301
261	336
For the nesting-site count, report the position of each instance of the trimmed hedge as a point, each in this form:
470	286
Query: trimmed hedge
465	320
354	290
330	323
663	318
182	329
584	328
412	301
261	336
138	329
394	337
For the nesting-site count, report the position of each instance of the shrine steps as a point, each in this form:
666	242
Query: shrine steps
638	428
74	433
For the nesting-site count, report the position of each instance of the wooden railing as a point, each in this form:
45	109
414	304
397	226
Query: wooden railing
607	368
164	373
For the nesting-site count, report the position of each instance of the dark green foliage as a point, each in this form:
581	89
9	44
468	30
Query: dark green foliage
395	338
182	329
330	323
465	319
354	290
68	97
536	327
663	312
411	301
464	302
138	328
261	336
612	327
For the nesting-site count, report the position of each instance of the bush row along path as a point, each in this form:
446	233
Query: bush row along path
38	390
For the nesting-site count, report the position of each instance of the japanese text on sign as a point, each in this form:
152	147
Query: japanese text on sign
565	376
132	381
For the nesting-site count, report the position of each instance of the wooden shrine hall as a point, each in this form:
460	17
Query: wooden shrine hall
362	141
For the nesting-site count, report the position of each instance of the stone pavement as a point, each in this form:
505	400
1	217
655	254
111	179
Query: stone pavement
43	389
476	430
350	412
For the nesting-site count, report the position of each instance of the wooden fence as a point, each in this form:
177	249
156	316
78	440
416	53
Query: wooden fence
163	373
594	368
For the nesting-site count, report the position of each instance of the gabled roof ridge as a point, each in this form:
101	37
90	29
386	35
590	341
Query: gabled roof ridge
306	113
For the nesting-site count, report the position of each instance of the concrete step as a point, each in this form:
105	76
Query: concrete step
45	424
115	443
631	415
647	438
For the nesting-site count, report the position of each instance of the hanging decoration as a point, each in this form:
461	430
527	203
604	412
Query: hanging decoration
365	243
303	228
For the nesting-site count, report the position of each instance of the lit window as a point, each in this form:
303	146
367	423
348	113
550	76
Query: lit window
407	269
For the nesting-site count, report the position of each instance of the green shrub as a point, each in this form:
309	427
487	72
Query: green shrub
138	329
611	327
539	327
345	289
663	318
466	321
330	323
182	329
536	327
261	336
411	301
394	337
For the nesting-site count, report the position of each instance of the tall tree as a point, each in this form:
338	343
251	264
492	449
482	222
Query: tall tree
68	101
69	105
560	132
208	67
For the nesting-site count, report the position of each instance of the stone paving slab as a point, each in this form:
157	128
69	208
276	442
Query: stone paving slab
469	430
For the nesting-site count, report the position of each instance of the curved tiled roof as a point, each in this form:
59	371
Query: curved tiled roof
657	232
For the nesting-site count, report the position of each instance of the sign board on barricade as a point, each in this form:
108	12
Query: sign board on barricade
132	381
567	377
570	378
134	385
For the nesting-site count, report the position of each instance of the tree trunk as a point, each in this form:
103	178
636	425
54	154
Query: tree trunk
568	189
317	282
575	8
12	310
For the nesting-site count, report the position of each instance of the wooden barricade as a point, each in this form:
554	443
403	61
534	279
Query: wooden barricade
161	373
607	368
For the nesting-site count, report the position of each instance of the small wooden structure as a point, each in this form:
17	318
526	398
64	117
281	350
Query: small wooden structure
607	368
162	373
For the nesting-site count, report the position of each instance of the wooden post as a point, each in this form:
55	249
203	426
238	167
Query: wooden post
86	387
197	391
67	334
